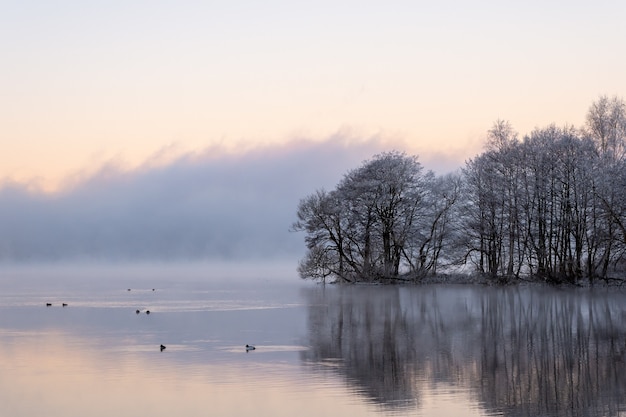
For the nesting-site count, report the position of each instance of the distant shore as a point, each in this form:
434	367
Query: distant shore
480	279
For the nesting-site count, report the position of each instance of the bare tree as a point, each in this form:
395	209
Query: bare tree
363	229
606	124
550	207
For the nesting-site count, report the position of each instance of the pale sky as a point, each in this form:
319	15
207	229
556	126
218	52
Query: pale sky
82	83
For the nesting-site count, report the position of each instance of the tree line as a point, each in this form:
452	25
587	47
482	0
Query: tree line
550	207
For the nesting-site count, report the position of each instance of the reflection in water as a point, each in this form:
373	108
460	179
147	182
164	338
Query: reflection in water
97	357
517	351
368	351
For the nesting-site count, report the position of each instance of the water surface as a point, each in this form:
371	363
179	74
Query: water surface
359	350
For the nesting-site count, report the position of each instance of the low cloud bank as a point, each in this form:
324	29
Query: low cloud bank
196	207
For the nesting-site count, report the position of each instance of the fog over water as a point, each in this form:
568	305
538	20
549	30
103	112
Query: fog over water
210	205
363	350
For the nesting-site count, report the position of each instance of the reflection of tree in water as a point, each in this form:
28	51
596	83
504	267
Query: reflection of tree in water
378	338
521	351
558	354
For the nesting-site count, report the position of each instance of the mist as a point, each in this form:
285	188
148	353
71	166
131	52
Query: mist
209	205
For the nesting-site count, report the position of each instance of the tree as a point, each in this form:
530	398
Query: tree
436	234
529	204
550	207
320	215
361	231
606	125
491	207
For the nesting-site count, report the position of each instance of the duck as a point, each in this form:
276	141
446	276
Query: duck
147	311
162	348
249	347
137	311
48	304
64	304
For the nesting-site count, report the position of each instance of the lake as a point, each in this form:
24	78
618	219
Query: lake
434	350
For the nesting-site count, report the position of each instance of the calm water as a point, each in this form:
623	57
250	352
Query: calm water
359	351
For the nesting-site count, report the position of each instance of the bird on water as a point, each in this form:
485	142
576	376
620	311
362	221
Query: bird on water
162	348
249	347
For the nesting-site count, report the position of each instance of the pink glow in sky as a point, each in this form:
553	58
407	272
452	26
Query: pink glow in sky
82	83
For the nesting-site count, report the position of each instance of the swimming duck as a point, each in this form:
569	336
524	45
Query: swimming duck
162	348
250	347
147	311
137	311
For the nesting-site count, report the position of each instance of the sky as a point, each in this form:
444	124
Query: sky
96	97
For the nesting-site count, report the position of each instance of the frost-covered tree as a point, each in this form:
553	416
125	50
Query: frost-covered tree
491	206
548	207
530	204
374	225
384	195
606	125
321	216
436	232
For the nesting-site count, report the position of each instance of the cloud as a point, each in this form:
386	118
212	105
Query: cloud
197	206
